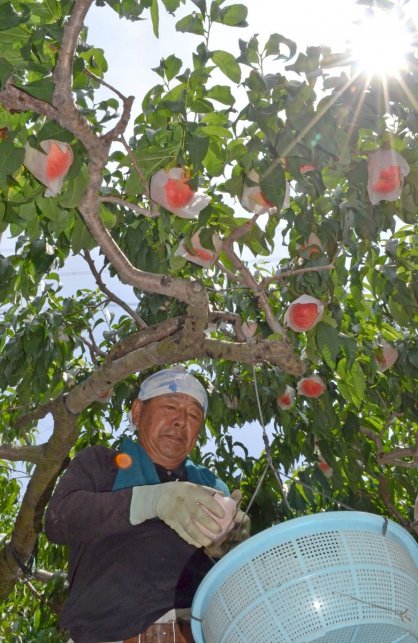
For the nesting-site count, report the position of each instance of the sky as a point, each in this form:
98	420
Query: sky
132	50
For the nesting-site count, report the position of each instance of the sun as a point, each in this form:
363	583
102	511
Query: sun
380	43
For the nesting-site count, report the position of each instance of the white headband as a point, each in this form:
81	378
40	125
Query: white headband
173	380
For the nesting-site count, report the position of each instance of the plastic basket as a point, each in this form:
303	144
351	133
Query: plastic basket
336	577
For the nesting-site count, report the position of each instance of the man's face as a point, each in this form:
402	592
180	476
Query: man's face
168	427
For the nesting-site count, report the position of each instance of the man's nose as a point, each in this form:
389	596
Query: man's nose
180	418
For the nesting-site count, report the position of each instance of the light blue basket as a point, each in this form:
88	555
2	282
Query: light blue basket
335	577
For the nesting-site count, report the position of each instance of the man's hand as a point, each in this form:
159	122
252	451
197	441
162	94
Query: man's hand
239	532
179	505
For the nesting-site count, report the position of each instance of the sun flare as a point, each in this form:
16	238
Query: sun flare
380	43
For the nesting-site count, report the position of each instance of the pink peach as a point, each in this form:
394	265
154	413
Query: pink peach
230	509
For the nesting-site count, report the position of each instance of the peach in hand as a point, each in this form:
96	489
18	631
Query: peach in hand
226	522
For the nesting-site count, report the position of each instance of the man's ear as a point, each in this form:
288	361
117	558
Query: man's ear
136	410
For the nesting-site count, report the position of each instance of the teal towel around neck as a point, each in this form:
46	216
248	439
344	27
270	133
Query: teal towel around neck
143	472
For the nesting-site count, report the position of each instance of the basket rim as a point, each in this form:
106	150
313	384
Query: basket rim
285	532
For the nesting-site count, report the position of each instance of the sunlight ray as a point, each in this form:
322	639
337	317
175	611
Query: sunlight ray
315	119
357	109
408	93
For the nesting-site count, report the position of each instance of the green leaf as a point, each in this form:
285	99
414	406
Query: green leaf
198	147
172	66
10	41
227	64
201	106
191	24
221	93
273	46
249	51
9	18
171	5
214	130
328	343
235	15
201	5
73	194
155	18
215	159
51	129
95	61
42	89
107	217
234	186
81	237
352	384
273	184
11	158
6	70
152	158
61	221
49	11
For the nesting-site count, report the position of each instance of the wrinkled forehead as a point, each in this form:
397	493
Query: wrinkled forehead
178	398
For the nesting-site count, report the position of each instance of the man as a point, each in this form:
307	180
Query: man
136	552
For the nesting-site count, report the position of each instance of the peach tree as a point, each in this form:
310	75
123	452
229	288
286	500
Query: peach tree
263	212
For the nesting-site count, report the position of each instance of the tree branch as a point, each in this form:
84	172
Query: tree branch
62	100
93	348
13	98
138	170
232	276
127	101
385	494
284	274
145	337
397	456
198	310
29	519
277	352
24	453
130	206
179	347
259	293
375	437
117	300
32	416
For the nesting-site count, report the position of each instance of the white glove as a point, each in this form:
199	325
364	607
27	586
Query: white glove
179	505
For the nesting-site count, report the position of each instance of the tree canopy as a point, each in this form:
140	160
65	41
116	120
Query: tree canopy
251	148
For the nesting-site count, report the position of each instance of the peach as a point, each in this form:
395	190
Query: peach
304	313
178	193
230	509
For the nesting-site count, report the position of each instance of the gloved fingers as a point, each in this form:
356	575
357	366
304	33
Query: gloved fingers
175	496
211	490
216	551
205	498
191	533
201	516
241	529
241	518
183	534
237	496
182	503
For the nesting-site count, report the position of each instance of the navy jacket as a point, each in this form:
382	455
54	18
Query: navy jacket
122	577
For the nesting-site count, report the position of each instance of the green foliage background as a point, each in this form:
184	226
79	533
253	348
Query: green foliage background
309	107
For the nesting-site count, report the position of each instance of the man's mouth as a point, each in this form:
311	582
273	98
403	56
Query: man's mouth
175	438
